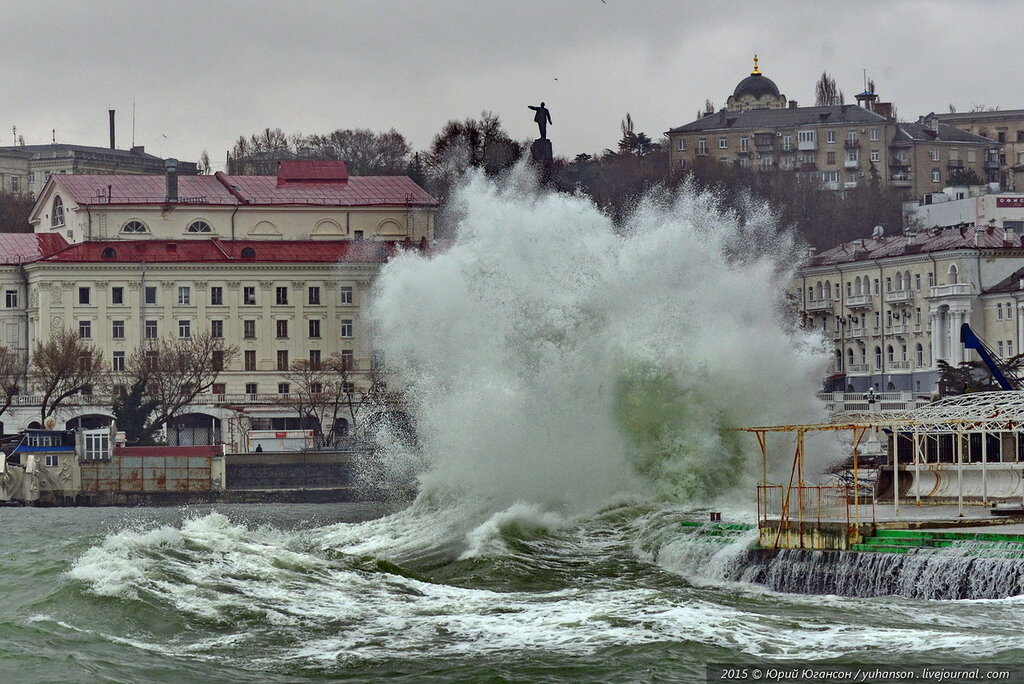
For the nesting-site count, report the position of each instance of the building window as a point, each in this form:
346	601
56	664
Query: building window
248	253
219	388
57	217
314	295
85	330
282	329
283	388
787	143
216	296
878	320
11	299
97	446
681	144
878	358
971	156
346	327
250	363
184	329
249	296
931	280
830	137
953	274
282	295
217	329
347	359
151	332
150	295
744	143
999	313
999	348
1009	311
250	388
830	176
314	359
348	387
1009	347
199	227
346	295
723	143
875	156
282	359
184	295
83	295
830	157
117	330
117	295
917	282
702	146
217	360
314	328
134	227
877	291
249	330
874	135
936	176
934	155
117	362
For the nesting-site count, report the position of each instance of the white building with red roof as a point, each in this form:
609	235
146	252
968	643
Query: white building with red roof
891	307
278	266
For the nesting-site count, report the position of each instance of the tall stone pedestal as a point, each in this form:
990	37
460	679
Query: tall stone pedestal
543	156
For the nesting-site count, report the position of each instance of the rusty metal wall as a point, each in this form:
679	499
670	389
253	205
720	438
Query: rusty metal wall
147	474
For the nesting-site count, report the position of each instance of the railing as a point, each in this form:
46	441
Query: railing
951	290
790	512
807	145
956	164
896	162
898	329
858	332
899	297
851	144
899	365
847	402
851	164
861	300
858	368
819	305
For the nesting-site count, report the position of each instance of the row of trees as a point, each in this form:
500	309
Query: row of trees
160	380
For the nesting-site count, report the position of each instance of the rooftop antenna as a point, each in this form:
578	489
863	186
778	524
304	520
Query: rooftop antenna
53	135
14	132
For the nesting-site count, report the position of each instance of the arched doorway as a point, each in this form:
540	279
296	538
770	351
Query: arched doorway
91	421
194	429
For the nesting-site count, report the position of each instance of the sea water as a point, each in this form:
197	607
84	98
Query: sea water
573	384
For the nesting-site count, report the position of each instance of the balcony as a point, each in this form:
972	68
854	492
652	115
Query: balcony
858	367
808	166
819	305
849	185
898	329
900	297
851	164
861	301
898	163
858	332
807	145
901	180
951	290
851	144
899	365
956	164
787	149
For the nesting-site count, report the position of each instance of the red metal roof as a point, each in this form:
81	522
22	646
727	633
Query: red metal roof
20	248
215	250
207	451
925	241
221	189
309	171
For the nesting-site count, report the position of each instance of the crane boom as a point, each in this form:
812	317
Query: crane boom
1002	374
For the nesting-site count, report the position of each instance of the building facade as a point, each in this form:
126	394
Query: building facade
1005	127
27	168
892	307
839	145
278	266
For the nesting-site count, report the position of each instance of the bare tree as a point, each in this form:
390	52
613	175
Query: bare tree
826	93
14	211
12	375
204	163
62	366
366	153
165	376
327	391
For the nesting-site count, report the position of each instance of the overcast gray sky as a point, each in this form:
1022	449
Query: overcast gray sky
203	72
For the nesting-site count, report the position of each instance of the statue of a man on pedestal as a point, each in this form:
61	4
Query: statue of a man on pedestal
543	118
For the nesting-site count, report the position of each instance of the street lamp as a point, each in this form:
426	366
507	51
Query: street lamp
871	397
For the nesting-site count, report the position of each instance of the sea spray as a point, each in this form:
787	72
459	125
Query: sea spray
553	357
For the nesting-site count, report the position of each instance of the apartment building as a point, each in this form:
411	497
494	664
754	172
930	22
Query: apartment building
278	266
838	145
892	307
1005	127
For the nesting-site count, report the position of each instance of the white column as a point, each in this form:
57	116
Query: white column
956	350
937	335
1020	328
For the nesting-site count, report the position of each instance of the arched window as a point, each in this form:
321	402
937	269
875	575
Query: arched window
57	215
899	281
821	290
864	356
857	286
839	361
890	387
109	253
199	226
849	357
889	353
828	290
134	226
878	358
919	355
906	280
953	274
903	353
248	253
